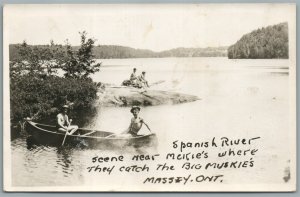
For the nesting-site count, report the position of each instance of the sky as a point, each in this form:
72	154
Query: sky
156	27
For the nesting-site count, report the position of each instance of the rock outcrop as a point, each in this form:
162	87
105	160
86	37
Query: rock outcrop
128	96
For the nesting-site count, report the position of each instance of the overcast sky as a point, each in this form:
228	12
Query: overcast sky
155	27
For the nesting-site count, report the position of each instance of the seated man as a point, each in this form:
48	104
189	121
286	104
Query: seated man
133	75
134	79
143	80
63	123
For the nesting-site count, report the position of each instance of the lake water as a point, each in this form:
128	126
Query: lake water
238	99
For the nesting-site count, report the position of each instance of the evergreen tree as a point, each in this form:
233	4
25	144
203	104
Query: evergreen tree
269	42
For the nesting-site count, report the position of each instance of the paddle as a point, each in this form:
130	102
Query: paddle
110	135
66	134
147	127
156	83
153	84
143	123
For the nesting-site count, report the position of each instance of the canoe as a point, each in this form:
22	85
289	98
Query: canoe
48	134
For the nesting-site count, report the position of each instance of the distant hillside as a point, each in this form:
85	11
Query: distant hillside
114	51
195	52
265	43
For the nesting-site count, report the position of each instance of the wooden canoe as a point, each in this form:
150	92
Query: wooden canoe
47	134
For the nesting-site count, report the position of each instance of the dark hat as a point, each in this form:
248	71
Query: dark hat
143	72
135	107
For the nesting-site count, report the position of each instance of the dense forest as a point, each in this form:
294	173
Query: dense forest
36	91
265	43
114	51
194	52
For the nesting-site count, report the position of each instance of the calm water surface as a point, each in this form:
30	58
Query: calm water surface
238	98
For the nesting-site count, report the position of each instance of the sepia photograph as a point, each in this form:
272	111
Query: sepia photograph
149	97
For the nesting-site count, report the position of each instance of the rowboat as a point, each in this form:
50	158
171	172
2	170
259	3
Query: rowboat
48	134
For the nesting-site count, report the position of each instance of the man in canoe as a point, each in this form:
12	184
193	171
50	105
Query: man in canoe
63	123
136	122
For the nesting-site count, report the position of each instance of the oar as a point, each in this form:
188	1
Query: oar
147	127
148	86
65	138
152	84
156	83
66	134
110	135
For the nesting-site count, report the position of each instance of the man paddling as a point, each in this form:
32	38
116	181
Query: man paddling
63	123
136	122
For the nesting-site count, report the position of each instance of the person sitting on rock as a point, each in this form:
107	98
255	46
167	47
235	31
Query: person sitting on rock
133	76
142	80
133	81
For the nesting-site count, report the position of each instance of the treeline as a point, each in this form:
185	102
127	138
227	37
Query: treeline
265	43
36	90
114	51
195	52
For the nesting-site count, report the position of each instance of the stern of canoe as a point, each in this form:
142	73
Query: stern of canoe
43	135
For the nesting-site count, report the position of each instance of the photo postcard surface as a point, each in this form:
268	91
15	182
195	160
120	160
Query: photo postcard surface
150	97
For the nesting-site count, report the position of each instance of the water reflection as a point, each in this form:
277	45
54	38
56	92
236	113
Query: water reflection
31	143
44	165
64	159
279	73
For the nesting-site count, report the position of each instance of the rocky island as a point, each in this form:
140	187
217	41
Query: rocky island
129	96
